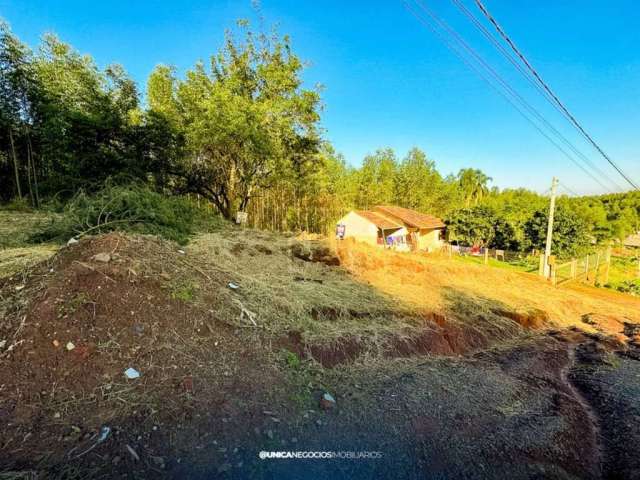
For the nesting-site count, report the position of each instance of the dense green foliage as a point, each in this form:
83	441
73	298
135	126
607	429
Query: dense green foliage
133	208
240	132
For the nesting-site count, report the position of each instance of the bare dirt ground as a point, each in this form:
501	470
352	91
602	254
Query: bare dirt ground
447	372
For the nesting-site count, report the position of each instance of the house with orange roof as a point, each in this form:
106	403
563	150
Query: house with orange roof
391	226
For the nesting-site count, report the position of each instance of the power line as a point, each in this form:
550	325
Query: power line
568	190
505	86
504	83
568	114
505	53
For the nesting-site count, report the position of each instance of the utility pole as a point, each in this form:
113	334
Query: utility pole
552	208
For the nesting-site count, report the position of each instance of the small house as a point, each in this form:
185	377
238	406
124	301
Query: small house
397	227
367	226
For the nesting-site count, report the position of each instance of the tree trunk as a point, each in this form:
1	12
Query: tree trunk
29	171
35	178
15	163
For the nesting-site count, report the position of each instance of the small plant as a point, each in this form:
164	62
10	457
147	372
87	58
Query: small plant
291	359
70	307
185	292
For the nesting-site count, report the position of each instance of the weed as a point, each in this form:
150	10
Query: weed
185	291
72	305
291	359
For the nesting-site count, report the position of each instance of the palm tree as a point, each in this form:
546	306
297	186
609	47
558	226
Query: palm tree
473	183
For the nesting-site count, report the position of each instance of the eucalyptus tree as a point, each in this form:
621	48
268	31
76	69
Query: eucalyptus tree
15	108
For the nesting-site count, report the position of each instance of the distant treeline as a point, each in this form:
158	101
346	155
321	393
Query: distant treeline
242	133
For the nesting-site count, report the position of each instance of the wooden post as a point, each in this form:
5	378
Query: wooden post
574	268
486	256
541	267
607	265
586	267
552	206
595	275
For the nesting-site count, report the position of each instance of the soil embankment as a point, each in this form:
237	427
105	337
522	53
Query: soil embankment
236	339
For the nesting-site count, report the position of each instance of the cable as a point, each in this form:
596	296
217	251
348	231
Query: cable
496	76
568	114
505	53
568	190
505	84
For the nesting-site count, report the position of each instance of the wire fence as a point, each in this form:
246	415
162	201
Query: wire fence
526	261
600	268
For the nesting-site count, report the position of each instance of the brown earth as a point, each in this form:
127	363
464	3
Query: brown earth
118	315
434	366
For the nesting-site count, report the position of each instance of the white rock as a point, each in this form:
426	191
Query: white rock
131	373
70	346
72	241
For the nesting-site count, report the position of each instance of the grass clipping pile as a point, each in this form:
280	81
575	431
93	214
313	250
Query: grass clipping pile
108	305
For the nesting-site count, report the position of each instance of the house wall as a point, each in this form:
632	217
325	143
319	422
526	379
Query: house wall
359	228
429	239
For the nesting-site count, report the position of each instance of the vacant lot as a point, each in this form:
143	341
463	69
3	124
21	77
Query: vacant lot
447	369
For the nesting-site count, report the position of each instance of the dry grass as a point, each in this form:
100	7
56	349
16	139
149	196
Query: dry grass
288	294
426	282
16	254
14	260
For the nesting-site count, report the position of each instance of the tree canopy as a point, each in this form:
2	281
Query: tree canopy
242	132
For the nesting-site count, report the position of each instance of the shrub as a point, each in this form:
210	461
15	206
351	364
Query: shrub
131	207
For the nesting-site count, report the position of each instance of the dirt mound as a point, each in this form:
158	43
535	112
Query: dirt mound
99	308
438	335
315	252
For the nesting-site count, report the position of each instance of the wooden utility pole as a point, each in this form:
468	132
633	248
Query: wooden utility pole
552	208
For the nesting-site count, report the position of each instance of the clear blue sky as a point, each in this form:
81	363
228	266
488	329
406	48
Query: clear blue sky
390	82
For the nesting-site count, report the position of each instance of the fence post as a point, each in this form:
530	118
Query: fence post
607	265
595	275
574	268
586	267
486	256
541	267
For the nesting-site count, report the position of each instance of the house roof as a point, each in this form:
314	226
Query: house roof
632	240
410	217
378	220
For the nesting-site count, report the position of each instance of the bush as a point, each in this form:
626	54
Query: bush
133	208
630	286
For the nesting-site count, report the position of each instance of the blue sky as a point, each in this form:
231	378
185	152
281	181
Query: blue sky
388	81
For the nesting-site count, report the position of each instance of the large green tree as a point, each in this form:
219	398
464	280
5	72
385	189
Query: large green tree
376	179
246	120
570	232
